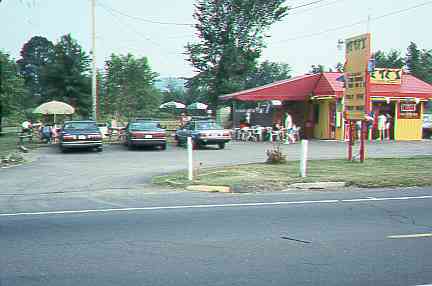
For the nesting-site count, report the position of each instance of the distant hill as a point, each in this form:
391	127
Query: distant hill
162	83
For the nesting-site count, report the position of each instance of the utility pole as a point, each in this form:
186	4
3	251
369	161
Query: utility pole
94	80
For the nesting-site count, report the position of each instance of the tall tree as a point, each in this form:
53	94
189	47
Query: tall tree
231	39
129	86
268	72
67	76
392	59
413	61
12	89
35	55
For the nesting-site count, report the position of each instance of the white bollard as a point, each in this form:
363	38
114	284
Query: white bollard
190	159
303	158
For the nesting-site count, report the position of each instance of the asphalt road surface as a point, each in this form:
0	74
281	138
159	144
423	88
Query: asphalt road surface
309	238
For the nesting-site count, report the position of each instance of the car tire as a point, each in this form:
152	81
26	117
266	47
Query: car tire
221	145
99	149
63	149
129	145
163	147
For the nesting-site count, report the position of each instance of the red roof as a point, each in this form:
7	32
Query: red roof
328	85
410	87
298	88
301	87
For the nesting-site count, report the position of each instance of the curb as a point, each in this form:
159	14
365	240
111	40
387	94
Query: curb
209	189
318	185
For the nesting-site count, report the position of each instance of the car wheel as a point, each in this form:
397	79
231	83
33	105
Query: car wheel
221	145
99	149
63	149
129	145
163	147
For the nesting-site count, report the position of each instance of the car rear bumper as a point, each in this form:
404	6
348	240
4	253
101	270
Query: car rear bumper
147	142
81	144
212	141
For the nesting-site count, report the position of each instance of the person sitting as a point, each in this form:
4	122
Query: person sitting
26	127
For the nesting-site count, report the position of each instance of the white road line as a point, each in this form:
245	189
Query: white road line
416	235
209	206
386	199
168	208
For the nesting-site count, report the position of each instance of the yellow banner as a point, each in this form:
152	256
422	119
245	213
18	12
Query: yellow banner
357	54
386	76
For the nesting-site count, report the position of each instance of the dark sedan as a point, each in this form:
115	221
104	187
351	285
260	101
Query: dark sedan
203	132
80	134
145	133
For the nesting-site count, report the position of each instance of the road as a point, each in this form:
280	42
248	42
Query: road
307	238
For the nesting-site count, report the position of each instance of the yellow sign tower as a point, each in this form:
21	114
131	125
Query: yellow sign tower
357	54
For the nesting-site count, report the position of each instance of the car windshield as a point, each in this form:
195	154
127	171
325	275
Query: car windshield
142	126
80	125
207	125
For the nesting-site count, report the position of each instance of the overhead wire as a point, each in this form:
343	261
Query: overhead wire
142	19
355	23
136	32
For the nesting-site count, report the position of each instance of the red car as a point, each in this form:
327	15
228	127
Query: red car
144	133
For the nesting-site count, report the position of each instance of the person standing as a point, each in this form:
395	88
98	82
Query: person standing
382	123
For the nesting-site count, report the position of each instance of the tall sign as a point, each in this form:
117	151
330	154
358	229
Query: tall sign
357	54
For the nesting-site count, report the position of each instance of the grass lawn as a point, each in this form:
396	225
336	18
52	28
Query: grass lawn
392	172
9	148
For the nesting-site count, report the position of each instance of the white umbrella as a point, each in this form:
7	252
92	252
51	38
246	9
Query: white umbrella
172	104
54	107
198	105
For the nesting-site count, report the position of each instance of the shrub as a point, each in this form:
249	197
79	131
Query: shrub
275	156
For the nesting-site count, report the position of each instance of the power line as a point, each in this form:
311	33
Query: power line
134	31
316	7
306	4
142	19
355	23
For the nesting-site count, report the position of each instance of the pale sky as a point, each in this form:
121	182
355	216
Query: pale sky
289	41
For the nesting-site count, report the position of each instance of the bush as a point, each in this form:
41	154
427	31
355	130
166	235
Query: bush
275	156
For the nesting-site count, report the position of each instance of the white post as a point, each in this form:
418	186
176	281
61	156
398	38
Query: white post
190	159
303	158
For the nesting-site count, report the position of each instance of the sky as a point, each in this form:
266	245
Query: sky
160	29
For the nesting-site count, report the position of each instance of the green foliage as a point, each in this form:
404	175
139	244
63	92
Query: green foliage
12	91
66	77
392	59
231	39
35	55
129	90
268	72
419	62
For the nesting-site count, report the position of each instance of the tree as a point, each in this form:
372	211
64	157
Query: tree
11	87
67	76
268	72
35	55
392	59
129	86
231	39
419	62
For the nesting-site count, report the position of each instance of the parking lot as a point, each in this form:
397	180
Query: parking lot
119	168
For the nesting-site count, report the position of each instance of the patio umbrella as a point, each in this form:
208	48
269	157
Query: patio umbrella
54	107
172	104
198	106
